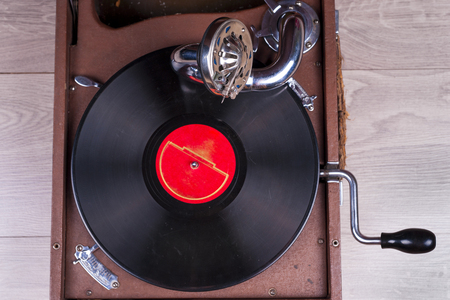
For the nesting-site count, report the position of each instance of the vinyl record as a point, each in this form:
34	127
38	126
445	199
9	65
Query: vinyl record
187	193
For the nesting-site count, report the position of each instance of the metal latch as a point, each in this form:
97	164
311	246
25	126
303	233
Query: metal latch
85	257
307	101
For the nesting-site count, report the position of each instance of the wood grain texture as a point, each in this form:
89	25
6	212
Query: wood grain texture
27	35
25	268
398	148
26	114
385	34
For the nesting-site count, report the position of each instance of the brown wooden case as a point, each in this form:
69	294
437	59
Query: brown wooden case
309	269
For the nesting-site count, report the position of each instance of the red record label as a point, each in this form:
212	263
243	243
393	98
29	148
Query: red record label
195	163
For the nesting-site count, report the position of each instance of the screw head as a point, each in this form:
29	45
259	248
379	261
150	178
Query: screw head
79	248
88	293
308	45
115	284
317	64
272	292
72	88
56	246
316	21
194	165
335	243
298	3
321	241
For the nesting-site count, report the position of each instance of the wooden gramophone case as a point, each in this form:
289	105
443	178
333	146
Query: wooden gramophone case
310	269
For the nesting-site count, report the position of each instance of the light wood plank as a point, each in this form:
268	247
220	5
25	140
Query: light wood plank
385	34
27	35
25	268
398	148
26	116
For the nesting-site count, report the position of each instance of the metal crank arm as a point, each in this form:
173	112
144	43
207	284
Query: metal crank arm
412	240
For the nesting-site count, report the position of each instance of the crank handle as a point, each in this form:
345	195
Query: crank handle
413	240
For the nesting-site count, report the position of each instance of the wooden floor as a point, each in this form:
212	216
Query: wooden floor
397	83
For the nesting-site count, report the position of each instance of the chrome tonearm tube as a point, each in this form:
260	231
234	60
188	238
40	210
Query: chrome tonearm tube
223	60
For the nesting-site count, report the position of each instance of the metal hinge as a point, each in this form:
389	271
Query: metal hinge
74	9
336	18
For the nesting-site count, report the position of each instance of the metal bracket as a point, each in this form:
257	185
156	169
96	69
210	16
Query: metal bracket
86	82
336	17
269	26
307	101
332	166
84	255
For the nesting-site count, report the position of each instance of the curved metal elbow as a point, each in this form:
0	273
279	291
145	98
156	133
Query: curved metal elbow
290	53
289	56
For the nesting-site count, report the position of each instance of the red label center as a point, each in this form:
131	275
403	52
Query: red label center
195	163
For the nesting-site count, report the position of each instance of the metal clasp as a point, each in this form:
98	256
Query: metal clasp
85	257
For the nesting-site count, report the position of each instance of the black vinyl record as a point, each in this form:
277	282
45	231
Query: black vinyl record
238	229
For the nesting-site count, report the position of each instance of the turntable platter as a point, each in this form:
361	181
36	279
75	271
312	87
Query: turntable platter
251	168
